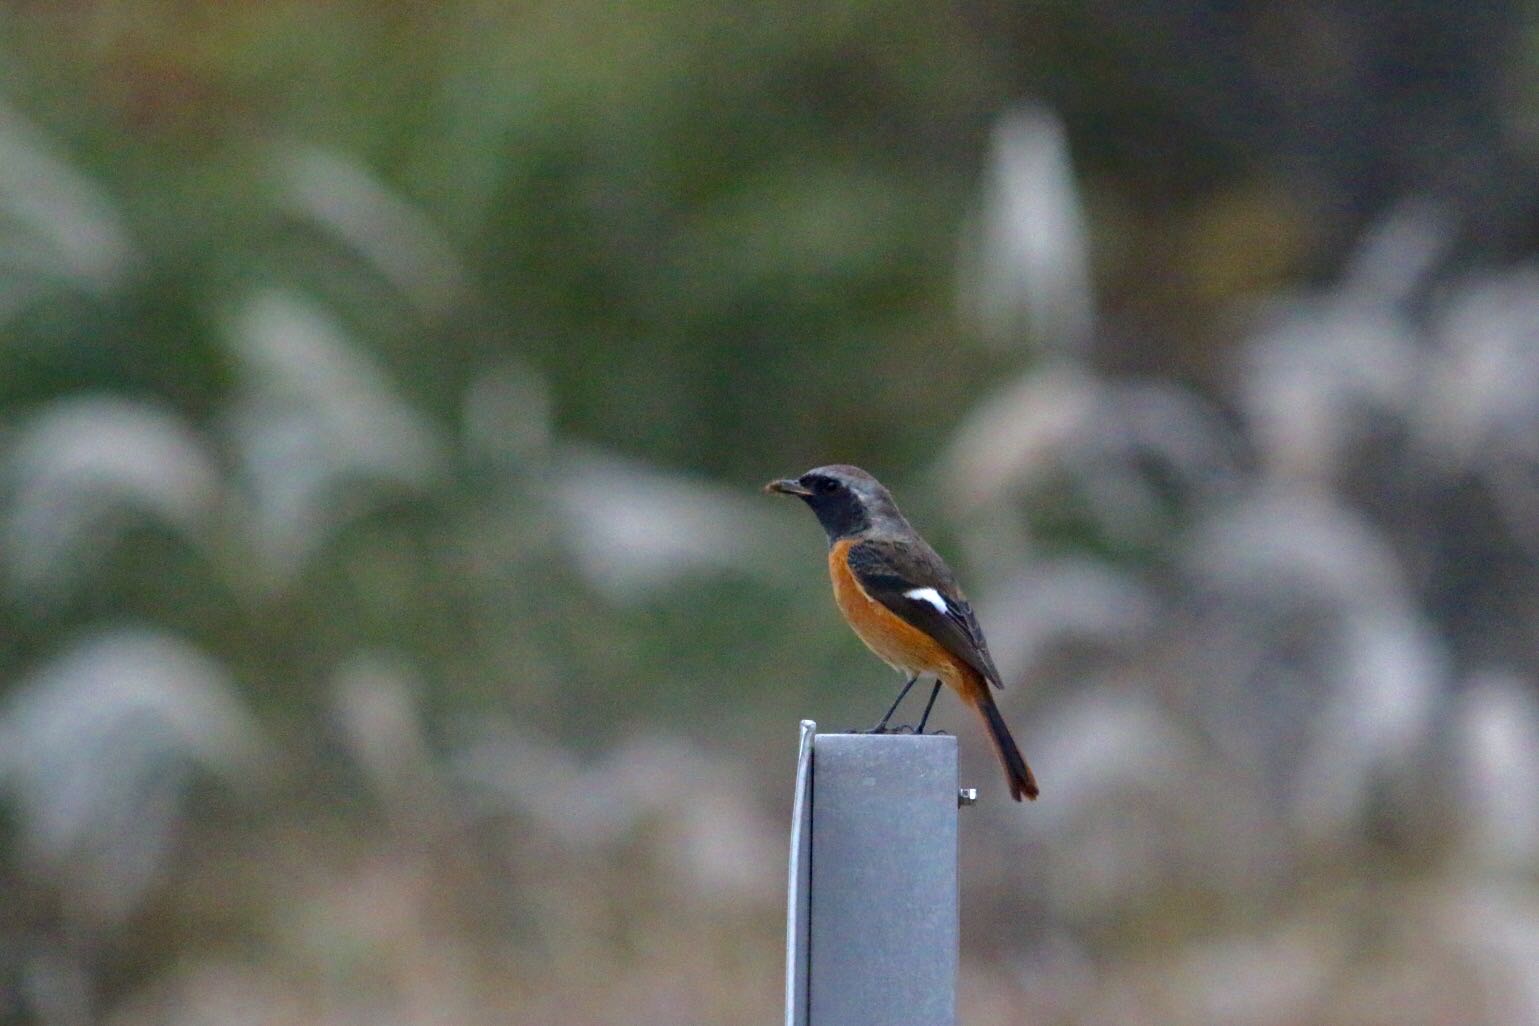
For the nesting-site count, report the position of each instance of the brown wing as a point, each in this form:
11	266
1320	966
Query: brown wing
917	585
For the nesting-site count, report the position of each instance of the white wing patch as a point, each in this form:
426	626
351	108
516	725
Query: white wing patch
929	595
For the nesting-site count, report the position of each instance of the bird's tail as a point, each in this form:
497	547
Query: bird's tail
1022	783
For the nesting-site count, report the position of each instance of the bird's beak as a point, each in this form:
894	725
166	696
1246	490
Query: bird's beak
787	486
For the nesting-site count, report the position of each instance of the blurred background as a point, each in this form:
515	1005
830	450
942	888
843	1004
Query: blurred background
391	629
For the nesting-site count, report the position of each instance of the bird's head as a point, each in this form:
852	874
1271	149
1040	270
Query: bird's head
846	499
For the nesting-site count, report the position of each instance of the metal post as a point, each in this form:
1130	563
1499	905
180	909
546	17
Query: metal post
872	930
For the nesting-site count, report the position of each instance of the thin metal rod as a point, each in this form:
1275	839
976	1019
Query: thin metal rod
799	885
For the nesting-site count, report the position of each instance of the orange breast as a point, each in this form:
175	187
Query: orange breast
898	643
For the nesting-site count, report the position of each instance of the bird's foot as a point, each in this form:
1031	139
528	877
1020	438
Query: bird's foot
902	728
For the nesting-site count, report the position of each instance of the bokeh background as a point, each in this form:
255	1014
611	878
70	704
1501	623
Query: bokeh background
391	630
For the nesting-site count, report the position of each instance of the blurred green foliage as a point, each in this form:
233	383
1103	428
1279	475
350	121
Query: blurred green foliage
719	232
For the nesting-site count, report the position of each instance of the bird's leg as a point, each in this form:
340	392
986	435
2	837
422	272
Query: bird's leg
927	707
881	728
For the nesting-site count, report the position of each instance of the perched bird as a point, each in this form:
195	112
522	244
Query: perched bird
902	600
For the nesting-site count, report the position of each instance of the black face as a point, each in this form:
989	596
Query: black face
821	485
840	508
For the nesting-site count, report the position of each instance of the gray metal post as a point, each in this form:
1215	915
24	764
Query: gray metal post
872	931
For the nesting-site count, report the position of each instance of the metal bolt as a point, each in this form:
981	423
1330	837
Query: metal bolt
966	796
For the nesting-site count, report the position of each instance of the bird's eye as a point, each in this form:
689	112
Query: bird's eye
825	485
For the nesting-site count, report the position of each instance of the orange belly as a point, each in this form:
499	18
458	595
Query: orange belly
898	643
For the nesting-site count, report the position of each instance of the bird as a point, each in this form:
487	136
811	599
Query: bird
903	601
